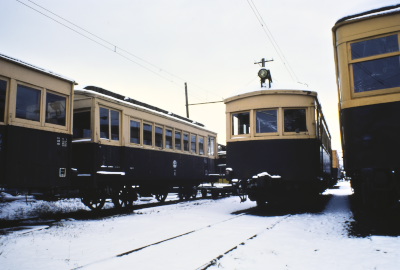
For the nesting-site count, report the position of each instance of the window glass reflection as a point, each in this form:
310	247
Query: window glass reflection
55	109
28	103
266	121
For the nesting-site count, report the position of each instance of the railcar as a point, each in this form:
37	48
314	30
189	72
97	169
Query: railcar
122	147
278	145
336	170
35	128
367	59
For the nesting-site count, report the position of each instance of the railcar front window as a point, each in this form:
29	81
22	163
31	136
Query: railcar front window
267	121
185	142
56	109
28	103
159	136
374	47
381	70
377	74
241	123
178	140
211	146
193	145
3	88
135	132
295	120
147	134
168	138
82	128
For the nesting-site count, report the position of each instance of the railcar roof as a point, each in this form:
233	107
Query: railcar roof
371	12
272	92
22	63
133	102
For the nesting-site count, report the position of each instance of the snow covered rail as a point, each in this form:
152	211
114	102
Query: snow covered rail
136	250
216	259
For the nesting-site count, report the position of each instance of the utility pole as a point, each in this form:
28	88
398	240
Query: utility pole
187	103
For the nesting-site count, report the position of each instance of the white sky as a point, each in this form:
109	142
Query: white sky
212	45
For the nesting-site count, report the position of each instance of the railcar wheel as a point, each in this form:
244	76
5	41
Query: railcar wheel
124	197
94	203
161	196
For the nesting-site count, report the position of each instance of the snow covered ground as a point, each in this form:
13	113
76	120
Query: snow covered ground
189	235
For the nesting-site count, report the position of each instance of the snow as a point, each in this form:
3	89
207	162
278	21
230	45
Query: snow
208	229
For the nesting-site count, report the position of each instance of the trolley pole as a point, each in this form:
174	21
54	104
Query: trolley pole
187	103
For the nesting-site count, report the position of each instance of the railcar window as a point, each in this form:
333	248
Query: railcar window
159	136
168	138
56	109
211	146
241	123
178	140
28	103
193	143
114	125
3	88
377	74
82	125
147	134
375	46
295	120
380	72
135	132
267	121
185	142
104	123
201	145
109	124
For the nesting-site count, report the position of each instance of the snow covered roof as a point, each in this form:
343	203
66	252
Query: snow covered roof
94	90
274	86
271	91
22	63
370	11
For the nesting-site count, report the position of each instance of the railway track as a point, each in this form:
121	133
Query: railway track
46	220
185	240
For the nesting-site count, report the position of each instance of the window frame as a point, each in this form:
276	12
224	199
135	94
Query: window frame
45	109
131	119
352	61
5	114
195	143
156	137
166	140
232	125
145	123
110	139
39	122
188	142
278	123
181	140
306	114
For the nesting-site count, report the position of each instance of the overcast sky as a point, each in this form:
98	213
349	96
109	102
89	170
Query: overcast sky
148	49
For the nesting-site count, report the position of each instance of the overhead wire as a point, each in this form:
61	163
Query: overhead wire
112	47
271	38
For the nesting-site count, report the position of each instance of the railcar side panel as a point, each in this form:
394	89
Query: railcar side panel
114	165
41	162
370	136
